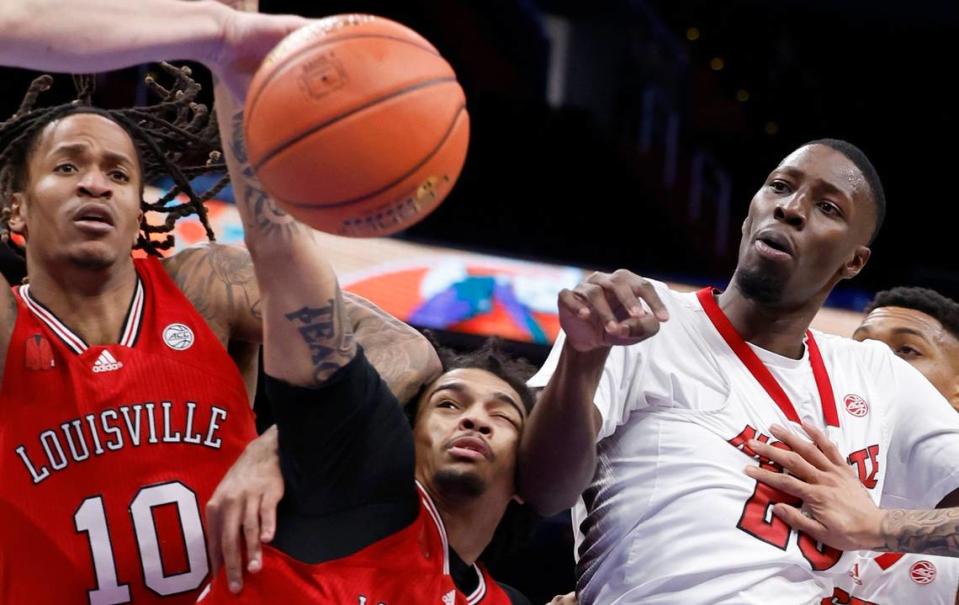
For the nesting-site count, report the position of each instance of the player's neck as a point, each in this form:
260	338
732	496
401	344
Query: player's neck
91	303
470	524
780	329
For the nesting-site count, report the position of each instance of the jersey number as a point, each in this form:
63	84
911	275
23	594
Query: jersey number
759	521
91	519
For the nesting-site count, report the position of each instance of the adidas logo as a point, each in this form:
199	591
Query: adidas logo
106	363
449	598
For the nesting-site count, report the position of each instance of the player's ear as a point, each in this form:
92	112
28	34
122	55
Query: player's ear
17	223
856	263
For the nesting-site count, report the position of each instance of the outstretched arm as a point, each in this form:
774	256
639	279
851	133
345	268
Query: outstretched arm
99	35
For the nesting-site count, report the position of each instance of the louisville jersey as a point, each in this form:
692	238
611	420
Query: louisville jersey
897	578
409	567
670	516
109	453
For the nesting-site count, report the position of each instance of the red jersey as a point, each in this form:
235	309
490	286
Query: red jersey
111	452
410	567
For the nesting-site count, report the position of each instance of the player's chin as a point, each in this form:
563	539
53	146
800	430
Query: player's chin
458	479
95	255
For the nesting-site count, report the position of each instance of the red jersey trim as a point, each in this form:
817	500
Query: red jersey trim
128	335
435	514
477	595
762	374
887	560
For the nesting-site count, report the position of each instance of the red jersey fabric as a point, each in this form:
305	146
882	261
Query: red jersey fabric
410	567
111	452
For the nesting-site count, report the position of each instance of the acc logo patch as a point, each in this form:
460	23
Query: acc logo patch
922	572
856	405
178	337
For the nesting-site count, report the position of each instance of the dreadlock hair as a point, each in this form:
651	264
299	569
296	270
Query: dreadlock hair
943	309
176	137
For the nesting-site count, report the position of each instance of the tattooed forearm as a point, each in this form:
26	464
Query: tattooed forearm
261	215
327	334
934	532
404	358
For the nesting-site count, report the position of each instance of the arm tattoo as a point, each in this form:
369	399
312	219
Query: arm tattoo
934	532
219	281
263	215
401	355
327	334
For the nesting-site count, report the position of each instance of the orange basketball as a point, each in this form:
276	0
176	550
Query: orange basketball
356	125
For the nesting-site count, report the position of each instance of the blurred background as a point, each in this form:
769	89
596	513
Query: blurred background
633	133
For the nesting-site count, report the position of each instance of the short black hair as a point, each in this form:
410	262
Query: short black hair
858	157
942	308
489	357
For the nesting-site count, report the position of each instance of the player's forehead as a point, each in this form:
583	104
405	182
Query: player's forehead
828	166
86	132
476	385
886	322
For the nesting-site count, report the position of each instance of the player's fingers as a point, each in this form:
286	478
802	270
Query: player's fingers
230	543
827	447
781	481
798	521
632	330
571	302
786	458
213	525
619	288
251	534
645	290
595	297
268	506
805	449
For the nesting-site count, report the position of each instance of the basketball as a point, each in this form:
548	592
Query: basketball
356	126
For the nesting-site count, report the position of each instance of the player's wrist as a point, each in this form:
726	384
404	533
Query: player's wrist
580	357
881	534
214	21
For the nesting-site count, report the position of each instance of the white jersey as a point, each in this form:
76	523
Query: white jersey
897	578
670	517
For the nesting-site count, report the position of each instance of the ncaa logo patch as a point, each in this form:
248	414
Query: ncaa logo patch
856	405
178	337
922	572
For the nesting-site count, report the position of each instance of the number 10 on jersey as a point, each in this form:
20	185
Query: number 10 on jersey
90	518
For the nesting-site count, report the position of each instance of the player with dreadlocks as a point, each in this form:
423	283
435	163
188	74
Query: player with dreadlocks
174	138
121	405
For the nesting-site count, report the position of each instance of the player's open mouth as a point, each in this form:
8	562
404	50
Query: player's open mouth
775	245
94	218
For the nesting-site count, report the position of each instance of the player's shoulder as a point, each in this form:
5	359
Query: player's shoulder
678	301
195	257
844	350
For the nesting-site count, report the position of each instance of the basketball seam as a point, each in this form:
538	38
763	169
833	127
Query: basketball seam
282	64
279	147
392	183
